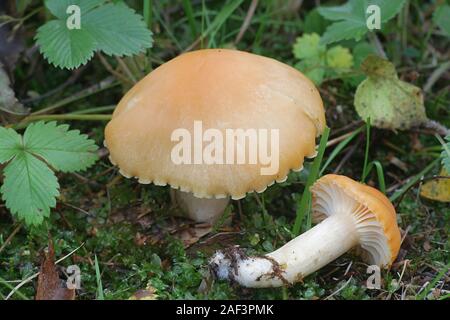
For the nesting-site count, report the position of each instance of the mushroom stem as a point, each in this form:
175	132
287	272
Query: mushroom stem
200	209
295	260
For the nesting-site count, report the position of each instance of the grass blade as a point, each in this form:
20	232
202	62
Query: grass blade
305	201
413	180
100	294
190	15
148	13
338	149
366	154
431	285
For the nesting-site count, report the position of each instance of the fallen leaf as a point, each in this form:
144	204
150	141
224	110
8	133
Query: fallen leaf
148	293
50	286
9	104
437	189
389	102
427	246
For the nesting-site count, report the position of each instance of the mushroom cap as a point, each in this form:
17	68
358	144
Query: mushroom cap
374	215
224	89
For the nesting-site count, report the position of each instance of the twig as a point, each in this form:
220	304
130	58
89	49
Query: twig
127	70
336	140
11	236
415	184
435	75
82	117
348	155
111	70
247	20
377	44
340	289
436	127
98	87
72	79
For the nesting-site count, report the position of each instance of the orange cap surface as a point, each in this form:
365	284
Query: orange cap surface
224	89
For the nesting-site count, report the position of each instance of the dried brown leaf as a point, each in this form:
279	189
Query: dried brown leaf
50	286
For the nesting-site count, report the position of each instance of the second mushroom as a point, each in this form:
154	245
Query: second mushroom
354	215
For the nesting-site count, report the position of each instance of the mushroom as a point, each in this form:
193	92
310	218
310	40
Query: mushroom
356	215
184	99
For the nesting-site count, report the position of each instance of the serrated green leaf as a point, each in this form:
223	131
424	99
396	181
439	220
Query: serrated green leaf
314	22
351	18
343	30
29	188
307	46
10	143
339	58
361	51
445	155
59	7
389	102
63	47
113	28
313	68
118	30
441	18
64	149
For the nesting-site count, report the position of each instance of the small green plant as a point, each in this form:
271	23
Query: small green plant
317	62
30	186
445	155
112	28
351	18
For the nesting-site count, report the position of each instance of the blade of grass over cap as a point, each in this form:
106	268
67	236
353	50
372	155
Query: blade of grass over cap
305	200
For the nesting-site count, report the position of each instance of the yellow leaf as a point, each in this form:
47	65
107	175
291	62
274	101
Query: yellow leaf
438	189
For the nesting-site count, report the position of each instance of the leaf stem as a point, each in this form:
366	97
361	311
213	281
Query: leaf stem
61	117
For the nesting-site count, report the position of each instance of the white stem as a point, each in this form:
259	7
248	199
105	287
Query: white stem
201	210
295	260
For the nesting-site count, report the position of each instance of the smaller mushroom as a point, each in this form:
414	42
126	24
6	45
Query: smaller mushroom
356	215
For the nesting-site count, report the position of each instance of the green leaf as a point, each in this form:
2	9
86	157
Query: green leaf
361	51
339	58
389	102
113	28
59	7
445	155
10	143
65	48
307	46
128	37
314	22
313	68
29	188
65	150
351	18
441	18
344	30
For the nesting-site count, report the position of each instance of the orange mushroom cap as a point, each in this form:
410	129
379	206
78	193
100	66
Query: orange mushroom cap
374	214
224	89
